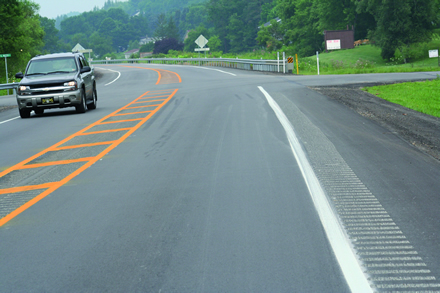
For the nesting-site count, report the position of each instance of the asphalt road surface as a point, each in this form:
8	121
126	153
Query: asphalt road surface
190	179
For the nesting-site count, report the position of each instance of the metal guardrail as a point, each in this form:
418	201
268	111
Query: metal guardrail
245	64
8	86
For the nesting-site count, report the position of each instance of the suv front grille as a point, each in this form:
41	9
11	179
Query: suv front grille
44	89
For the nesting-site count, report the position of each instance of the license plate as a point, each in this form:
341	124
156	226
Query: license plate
47	101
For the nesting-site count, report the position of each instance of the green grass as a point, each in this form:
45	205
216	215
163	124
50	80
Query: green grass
367	59
420	96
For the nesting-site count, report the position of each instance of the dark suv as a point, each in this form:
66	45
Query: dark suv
56	81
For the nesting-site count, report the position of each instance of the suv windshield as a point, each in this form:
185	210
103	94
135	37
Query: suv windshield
48	66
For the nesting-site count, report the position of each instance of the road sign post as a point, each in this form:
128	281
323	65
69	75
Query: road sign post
201	42
297	69
6	65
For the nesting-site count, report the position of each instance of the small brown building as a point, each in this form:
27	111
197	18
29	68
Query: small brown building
345	37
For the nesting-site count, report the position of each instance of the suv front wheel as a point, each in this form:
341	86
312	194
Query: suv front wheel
93	105
25	113
81	108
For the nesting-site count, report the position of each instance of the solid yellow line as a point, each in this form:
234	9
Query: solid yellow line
105	131
120	121
25	188
54	163
154	97
133	113
149	101
139	107
77	146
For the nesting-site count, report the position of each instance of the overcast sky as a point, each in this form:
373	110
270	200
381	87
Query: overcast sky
54	8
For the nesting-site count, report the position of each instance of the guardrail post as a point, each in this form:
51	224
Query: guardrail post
278	61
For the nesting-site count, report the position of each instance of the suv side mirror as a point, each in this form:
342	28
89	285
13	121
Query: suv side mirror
19	75
86	69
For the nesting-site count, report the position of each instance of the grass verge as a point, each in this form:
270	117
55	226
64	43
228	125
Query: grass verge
420	96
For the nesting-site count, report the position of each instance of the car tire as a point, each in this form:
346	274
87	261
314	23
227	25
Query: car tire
94	103
39	111
81	108
24	113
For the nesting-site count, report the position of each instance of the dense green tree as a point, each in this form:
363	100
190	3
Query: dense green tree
171	30
236	22
122	35
161	26
133	45
51	39
100	44
189	42
214	43
236	33
299	28
21	33
164	45
76	24
113	24
268	12
148	47
118	15
80	38
305	36
140	25
336	14
400	23
219	12
107	26
192	17
271	36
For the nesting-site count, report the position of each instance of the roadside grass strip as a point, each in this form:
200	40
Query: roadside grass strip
419	96
35	173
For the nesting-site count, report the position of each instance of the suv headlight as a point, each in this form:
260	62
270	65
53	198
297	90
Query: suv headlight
22	89
72	84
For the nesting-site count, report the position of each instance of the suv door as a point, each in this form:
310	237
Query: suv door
86	77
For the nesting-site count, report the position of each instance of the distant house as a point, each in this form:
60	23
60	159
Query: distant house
146	40
145	54
131	52
268	23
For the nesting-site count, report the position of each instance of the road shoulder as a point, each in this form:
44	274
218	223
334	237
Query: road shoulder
418	129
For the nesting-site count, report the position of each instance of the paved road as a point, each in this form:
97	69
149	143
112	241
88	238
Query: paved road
211	181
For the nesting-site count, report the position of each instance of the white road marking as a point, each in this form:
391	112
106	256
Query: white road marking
9	120
341	246
215	70
119	75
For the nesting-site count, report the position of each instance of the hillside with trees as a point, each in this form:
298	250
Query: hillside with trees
231	26
245	25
